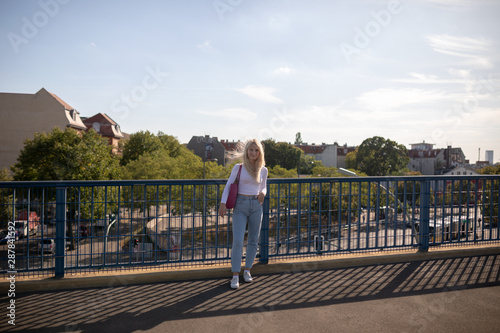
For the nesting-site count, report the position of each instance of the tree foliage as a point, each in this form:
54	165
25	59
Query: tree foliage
5	199
66	155
5	175
490	170
140	143
70	155
279	172
281	153
165	158
377	156
161	156
307	164
489	208
298	138
323	171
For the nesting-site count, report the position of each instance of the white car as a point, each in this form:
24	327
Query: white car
47	246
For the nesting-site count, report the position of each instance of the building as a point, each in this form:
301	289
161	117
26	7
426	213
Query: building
461	171
488	156
326	154
230	150
342	154
23	115
209	149
430	161
331	155
105	127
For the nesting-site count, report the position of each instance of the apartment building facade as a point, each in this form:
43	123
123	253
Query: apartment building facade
107	128
23	115
427	160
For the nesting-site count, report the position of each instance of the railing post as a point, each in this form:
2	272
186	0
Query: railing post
60	231
425	202
264	232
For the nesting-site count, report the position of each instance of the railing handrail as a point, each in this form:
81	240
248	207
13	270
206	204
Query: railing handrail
69	183
301	216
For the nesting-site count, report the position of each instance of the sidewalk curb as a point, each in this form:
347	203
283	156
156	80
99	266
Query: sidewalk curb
202	273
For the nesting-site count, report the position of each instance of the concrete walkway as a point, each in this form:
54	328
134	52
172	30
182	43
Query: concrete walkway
458	291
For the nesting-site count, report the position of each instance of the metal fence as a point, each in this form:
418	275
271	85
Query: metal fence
78	227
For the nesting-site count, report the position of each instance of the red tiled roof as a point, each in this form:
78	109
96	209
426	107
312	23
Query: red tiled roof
101	118
415	153
312	149
108	127
229	146
66	105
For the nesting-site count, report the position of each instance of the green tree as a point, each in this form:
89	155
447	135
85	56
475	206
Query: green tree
307	164
171	161
172	146
140	143
279	172
69	155
377	156
5	200
489	208
282	154
490	170
323	171
160	165
5	175
66	155
350	160
298	138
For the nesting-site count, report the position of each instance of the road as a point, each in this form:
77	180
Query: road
445	295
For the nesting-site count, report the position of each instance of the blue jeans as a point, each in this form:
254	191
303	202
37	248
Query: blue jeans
247	209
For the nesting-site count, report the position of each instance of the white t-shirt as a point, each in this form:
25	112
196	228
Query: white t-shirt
247	184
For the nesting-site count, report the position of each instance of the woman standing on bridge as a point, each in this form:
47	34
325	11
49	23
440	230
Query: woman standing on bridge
248	208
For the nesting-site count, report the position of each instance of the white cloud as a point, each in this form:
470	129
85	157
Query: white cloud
451	5
284	71
458	76
463	73
386	99
279	22
206	46
231	113
421	78
260	93
475	51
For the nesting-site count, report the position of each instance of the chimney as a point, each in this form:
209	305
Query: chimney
448	157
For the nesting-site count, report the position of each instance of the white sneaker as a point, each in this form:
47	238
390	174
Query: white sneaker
247	276
235	282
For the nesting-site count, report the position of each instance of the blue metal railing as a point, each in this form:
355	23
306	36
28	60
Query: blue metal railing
78	227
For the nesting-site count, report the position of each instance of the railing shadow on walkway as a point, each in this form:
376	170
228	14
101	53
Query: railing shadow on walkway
142	307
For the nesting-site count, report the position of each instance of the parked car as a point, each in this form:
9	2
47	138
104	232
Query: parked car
47	246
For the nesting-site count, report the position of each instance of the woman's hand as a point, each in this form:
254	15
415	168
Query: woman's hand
222	209
261	197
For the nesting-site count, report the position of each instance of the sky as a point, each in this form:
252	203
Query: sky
333	70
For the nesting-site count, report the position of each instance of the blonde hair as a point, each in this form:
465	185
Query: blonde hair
253	170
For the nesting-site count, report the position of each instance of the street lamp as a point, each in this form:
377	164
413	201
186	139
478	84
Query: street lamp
115	218
347	172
